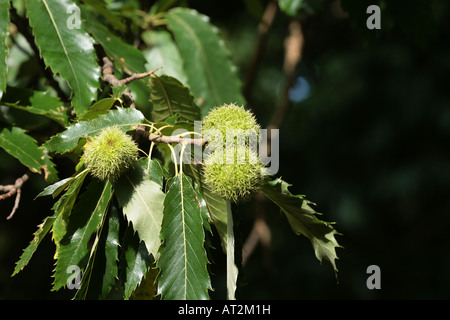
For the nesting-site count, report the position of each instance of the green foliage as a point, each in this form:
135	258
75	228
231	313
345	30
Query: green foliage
17	143
169	97
142	201
303	219
146	232
182	261
39	103
211	76
68	52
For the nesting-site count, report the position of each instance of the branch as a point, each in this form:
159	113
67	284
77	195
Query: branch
293	46
263	28
135	76
109	77
260	232
293	52
12	189
169	139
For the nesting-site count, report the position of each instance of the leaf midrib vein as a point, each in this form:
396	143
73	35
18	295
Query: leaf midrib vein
63	46
209	76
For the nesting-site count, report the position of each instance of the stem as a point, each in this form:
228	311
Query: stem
232	270
172	150
183	147
143	152
152	145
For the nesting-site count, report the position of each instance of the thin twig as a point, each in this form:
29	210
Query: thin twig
109	77
169	139
263	28
135	76
260	233
293	51
13	189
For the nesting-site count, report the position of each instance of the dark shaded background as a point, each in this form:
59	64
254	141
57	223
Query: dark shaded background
366	138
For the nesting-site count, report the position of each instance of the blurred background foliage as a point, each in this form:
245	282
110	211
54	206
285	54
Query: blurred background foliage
366	137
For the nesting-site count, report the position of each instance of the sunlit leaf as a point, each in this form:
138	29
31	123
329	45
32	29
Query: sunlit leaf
55	188
68	139
163	52
142	201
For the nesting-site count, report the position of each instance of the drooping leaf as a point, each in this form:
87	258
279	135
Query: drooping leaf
63	207
134	262
69	52
142	201
56	188
74	248
211	75
303	220
24	148
67	140
41	232
169	97
182	262
163	52
222	217
100	274
4	34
